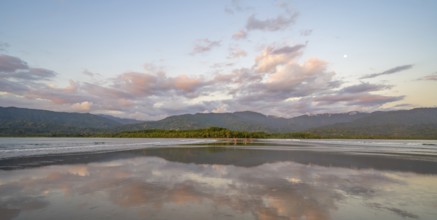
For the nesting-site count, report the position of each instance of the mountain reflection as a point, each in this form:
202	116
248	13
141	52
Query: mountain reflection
154	188
245	157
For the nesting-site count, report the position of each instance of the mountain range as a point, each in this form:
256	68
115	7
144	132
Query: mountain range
247	121
414	123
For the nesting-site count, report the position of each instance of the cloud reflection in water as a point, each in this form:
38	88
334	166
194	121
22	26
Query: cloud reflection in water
154	188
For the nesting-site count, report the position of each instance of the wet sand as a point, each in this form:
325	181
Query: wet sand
220	182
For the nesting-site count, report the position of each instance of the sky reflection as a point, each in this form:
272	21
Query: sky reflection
155	188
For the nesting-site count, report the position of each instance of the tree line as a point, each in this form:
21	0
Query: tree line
212	132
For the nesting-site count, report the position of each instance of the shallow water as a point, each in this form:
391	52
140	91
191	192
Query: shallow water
278	179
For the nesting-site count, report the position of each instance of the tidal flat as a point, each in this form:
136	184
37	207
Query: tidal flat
98	178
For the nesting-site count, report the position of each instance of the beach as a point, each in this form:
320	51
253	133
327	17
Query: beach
203	179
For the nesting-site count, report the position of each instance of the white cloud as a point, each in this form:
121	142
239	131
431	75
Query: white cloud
82	107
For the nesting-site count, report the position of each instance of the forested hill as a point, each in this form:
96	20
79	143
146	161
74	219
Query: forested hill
247	121
414	123
123	121
239	121
21	121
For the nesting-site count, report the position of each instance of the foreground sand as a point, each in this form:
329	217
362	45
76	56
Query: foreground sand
262	181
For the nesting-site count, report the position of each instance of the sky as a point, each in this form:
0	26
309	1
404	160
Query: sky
152	59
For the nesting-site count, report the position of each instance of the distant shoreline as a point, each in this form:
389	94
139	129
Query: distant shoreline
256	152
216	133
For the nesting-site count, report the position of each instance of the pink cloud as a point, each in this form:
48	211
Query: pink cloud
271	58
146	84
431	77
312	75
186	83
239	35
277	83
140	84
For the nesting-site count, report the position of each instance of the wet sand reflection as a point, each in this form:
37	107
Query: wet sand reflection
156	188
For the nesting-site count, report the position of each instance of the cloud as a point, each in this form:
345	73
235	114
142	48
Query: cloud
204	45
103	91
237	53
235	6
364	87
272	24
278	82
271	189
239	35
130	93
35	74
357	97
15	68
431	77
10	64
293	77
271	57
275	78
30	87
72	87
12	87
91	74
82	106
288	49
306	32
139	84
157	83
30	74
57	96
282	86
238	76
400	212
361	99
389	71
278	23
186	83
